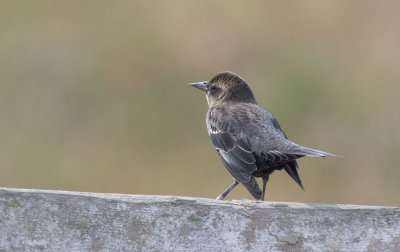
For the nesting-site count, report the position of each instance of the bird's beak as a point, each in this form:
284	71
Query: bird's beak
200	85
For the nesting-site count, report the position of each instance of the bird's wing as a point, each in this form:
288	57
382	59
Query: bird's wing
244	178
233	148
227	135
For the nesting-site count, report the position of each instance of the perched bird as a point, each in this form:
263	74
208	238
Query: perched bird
246	136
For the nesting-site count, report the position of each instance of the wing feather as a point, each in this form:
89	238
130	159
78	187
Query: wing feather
227	136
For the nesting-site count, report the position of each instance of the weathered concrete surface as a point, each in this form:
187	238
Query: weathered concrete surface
36	220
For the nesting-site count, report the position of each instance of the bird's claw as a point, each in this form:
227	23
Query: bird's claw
220	197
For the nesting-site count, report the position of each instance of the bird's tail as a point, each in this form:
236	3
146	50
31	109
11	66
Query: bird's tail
304	151
291	169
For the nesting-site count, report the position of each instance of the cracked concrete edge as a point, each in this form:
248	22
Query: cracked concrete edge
77	221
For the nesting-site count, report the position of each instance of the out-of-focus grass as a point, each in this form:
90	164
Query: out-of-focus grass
94	95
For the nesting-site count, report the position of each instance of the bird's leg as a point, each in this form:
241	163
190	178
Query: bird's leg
265	181
223	195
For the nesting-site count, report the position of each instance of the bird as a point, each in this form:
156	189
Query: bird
247	137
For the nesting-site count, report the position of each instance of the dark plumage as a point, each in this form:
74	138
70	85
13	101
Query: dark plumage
247	137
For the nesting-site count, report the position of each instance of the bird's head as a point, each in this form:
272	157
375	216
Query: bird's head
225	87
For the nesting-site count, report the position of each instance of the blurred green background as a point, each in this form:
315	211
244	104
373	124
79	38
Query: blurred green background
94	94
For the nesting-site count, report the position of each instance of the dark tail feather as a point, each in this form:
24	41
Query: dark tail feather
309	152
291	169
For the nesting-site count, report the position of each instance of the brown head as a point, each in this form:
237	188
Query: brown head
226	87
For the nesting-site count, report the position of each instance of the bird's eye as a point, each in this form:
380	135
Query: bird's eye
213	88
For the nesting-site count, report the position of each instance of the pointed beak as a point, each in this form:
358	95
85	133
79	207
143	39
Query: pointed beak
200	85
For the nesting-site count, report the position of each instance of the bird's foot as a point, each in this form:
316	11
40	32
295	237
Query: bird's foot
220	197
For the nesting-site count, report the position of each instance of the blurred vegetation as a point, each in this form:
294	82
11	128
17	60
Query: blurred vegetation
94	95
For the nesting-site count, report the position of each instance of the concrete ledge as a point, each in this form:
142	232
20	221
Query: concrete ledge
32	220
